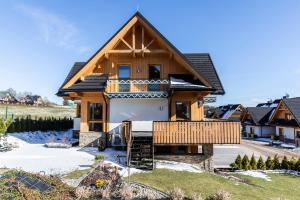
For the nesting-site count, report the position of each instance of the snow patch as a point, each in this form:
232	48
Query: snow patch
255	174
177	166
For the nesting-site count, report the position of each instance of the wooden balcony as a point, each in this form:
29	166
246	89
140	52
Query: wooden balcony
136	86
196	132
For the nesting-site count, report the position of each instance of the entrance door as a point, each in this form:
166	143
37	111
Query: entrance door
281	134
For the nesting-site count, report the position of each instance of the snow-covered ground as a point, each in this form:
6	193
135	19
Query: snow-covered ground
255	174
33	156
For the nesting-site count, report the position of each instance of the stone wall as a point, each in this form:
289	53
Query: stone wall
204	160
91	139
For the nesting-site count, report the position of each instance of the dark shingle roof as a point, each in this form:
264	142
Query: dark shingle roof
90	83
203	64
293	104
260	115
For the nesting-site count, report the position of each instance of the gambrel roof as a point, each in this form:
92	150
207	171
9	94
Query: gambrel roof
199	64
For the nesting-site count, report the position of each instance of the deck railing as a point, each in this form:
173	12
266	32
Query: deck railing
136	85
196	132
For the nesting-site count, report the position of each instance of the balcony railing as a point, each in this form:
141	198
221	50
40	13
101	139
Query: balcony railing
136	85
196	132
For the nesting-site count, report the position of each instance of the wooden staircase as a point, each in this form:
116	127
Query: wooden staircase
141	152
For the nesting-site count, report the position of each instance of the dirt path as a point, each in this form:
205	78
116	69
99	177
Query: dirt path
266	150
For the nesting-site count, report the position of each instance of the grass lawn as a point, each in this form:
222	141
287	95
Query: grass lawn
22	110
283	186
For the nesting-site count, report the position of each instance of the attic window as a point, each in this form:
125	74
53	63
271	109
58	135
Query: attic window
288	116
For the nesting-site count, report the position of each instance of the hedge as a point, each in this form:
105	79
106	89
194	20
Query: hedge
27	124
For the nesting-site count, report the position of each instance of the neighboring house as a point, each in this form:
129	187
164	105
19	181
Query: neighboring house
32	100
143	92
8	99
231	112
256	121
286	118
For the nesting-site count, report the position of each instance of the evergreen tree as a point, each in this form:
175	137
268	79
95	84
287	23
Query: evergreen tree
261	164
285	163
297	165
238	162
292	163
269	163
246	163
276	162
253	163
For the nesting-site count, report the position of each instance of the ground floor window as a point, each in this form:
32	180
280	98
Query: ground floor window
281	132
183	110
95	117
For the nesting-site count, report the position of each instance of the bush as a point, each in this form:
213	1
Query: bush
176	194
269	163
261	164
221	195
285	163
101	146
196	196
276	162
126	192
297	165
253	163
238	162
292	163
246	163
99	157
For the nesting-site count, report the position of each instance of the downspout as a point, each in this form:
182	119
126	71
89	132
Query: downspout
106	138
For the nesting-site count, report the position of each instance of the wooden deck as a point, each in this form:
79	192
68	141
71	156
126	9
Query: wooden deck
196	132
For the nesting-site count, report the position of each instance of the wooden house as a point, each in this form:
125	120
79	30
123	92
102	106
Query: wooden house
231	112
286	119
256	121
139	90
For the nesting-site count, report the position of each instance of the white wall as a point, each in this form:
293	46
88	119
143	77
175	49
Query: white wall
137	110
289	133
76	124
262	131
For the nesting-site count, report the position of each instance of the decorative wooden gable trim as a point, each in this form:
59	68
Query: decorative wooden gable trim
282	106
108	48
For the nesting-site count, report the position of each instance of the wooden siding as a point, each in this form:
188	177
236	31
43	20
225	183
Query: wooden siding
196	132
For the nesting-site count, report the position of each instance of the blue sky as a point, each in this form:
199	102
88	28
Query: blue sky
255	45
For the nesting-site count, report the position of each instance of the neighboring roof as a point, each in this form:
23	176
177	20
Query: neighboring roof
271	103
260	115
293	104
90	83
186	82
202	62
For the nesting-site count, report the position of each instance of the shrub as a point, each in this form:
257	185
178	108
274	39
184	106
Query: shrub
261	164
292	163
246	163
285	163
101	146
276	162
297	165
253	163
176	194
196	196
106	193
99	157
221	195
269	163
126	192
83	192
238	162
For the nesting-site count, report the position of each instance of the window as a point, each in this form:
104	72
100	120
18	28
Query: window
95	117
124	74
183	110
288	116
298	134
281	132
154	74
78	110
